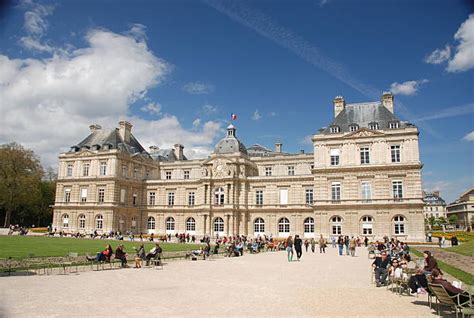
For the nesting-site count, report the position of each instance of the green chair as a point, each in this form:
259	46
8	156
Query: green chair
454	302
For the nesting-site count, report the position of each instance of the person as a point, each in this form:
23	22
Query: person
207	250
154	252
437	278
430	263
352	246
395	271
454	240
346	243
121	255
313	244
333	241
418	282
443	241
322	245
103	256
289	248
306	245
380	266
366	241
140	256
298	247
340	244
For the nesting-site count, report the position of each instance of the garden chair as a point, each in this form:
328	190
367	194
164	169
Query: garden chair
454	302
156	261
70	261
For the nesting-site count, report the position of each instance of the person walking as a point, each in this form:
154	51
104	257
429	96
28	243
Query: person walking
298	247
289	248
333	241
313	244
352	246
340	244
366	241
346	243
306	245
322	245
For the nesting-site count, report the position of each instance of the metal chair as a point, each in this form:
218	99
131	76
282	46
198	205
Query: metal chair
454	302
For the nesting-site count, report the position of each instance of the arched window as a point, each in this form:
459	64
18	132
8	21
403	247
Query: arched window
399	224
367	223
284	225
219	225
259	226
150	225
336	225
82	221
219	196
169	224
65	219
308	225
190	225
99	222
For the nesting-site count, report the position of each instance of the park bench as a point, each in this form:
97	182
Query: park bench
452	301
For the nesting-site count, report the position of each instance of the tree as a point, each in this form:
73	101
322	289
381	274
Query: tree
442	220
431	221
20	179
453	219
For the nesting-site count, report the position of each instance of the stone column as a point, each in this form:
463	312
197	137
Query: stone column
227	225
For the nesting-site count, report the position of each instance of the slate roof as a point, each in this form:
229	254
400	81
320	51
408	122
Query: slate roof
110	138
165	155
431	199
230	143
363	114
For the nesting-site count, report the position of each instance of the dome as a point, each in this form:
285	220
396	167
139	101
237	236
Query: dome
230	143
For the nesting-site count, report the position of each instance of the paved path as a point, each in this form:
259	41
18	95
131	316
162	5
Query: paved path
253	285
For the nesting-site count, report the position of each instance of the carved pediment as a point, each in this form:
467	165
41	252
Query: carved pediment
364	132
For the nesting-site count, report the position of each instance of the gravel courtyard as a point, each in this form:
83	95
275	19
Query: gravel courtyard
254	285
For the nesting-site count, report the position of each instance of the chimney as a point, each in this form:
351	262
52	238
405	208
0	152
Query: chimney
436	193
94	127
153	148
302	151
387	101
339	105
178	151
125	129
278	147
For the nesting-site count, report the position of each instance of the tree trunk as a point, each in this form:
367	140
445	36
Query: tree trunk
8	214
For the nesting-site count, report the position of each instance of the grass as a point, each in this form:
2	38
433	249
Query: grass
463	249
40	246
451	270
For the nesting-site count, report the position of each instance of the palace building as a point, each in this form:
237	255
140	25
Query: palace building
364	178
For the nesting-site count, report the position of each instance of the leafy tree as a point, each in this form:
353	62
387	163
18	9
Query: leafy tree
442	220
453	219
20	180
431	221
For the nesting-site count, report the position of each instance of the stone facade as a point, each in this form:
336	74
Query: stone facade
463	208
108	182
435	206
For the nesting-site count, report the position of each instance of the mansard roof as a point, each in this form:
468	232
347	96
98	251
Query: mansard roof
432	199
363	114
111	139
165	155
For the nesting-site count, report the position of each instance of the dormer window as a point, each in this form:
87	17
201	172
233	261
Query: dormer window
373	126
353	127
334	129
394	125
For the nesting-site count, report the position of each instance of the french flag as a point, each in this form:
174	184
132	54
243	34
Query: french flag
233	116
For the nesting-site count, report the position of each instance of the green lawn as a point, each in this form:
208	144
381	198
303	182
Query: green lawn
23	246
451	270
466	248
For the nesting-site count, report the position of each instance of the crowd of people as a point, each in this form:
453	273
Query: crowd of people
393	261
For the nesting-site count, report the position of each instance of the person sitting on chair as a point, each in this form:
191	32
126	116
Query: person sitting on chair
380	266
437	278
121	255
154	252
430	263
140	256
103	256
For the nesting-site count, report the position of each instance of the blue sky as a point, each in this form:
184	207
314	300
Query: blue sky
186	65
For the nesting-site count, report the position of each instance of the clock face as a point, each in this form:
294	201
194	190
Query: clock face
219	168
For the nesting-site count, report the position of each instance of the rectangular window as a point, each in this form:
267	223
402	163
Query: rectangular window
399	228
168	175
101	195
268	171
151	198
122	195
67	195
335	157
70	166
191	198
336	191
366	191
336	229
124	171
397	189
170	198
85	169
135	173
309	196
259	197
134	199
82	223
186	174
147	173
393	125
364	155
103	168
291	170
283	196
84	195
367	230
395	150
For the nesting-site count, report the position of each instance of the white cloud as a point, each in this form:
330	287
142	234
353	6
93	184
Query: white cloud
198	88
196	123
256	115
152	108
307	140
272	114
35	25
469	136
439	56
463	59
406	88
209	109
47	104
